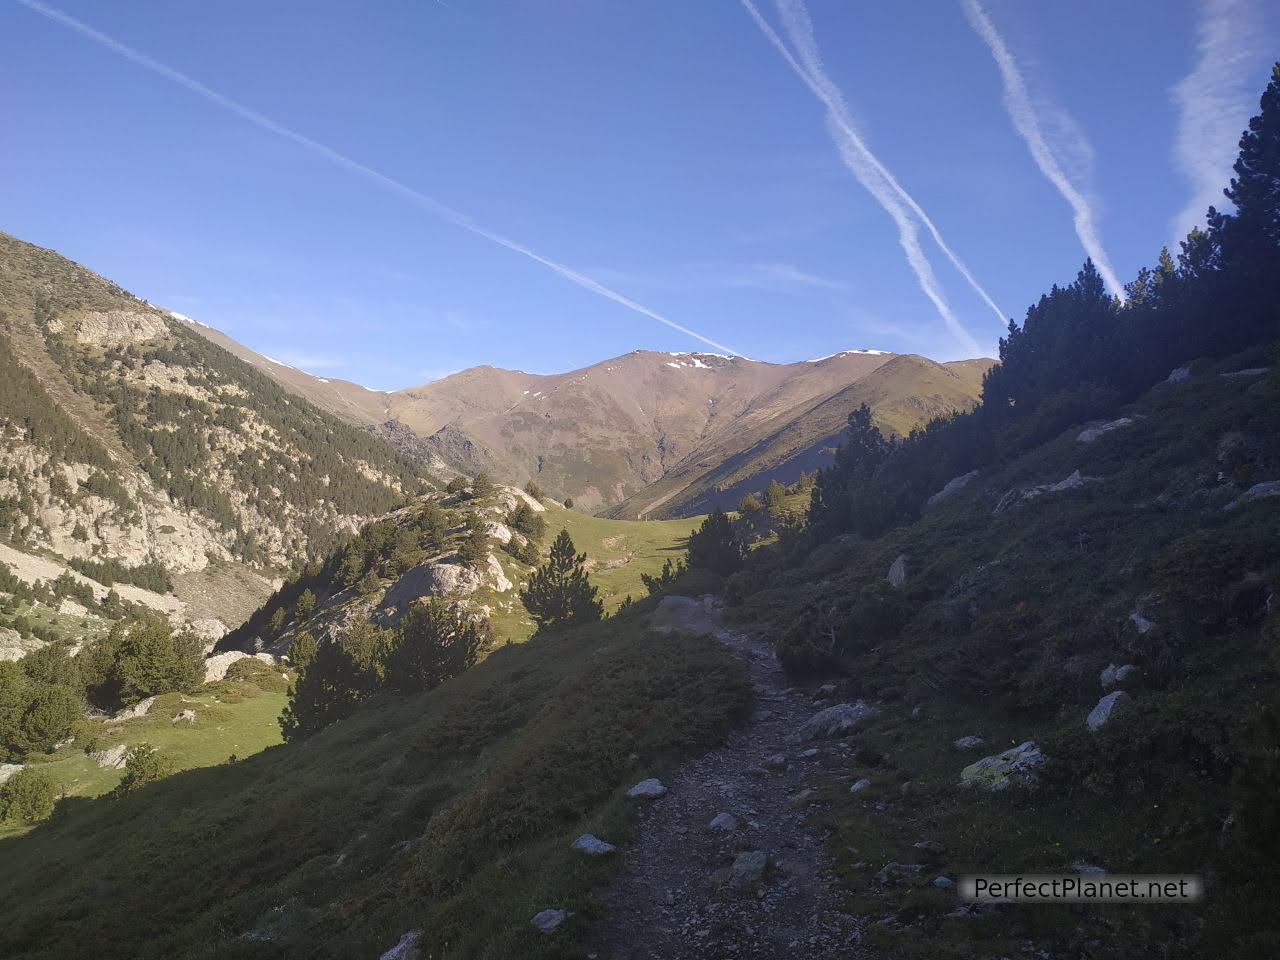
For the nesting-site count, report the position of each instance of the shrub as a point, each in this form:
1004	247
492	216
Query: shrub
145	764
151	659
329	689
714	546
27	796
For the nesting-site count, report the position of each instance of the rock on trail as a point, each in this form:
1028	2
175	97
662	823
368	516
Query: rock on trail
692	885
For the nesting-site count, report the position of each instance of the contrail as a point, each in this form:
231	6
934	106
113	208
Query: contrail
1215	102
431	205
867	169
1018	102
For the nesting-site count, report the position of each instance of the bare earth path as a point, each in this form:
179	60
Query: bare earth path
674	898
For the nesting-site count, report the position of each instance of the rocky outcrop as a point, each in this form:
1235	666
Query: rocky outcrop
592	846
748	869
498	531
952	486
1014	767
113	758
649	789
139	709
14	646
1180	374
188	716
119	327
897	575
7	770
1259	491
1250	372
1090	434
494	575
1013	498
836	720
208	629
1106	708
971	742
1114	676
406	948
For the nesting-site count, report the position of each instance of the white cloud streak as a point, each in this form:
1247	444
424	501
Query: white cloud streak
865	166
1022	112
416	197
1215	102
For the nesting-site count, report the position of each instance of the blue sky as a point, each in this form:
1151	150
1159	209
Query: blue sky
665	152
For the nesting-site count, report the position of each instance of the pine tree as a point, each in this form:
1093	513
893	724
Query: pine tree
330	688
750	505
481	486
303	649
276	626
559	593
306	605
475	545
714	546
1255	189
432	643
775	495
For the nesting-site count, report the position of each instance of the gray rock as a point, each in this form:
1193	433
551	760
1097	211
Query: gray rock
1091	434
860	785
7	770
647	789
724	821
187	715
1250	372
549	920
944	883
968	743
1087	869
215	668
406	949
113	758
893	873
827	689
932	847
809	754
836	720
1180	374
897	575
1259	491
1140	623
208	629
1106	708
1114	675
954	484
777	761
801	798
1015	766
592	846
498	531
1013	498
748	869
135	711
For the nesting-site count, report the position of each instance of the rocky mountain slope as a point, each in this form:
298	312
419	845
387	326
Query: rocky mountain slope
126	439
647	433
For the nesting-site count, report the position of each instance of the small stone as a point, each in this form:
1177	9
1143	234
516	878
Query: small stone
860	785
548	920
827	688
836	720
647	789
944	883
724	821
810	753
406	948
1087	869
748	868
932	847
1140	623
592	846
187	715
801	798
776	762
969	742
894	873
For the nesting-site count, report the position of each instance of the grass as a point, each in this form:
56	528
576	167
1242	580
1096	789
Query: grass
1002	629
449	812
67	627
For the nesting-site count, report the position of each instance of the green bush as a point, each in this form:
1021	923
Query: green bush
145	764
27	796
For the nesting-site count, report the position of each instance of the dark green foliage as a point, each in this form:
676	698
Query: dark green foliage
568	503
303	649
715	546
482	487
665	580
775	495
527	521
559	593
149	575
475	543
533	490
749	505
306	606
328	690
432	643
145	764
456	485
26	797
41	699
150	659
277	623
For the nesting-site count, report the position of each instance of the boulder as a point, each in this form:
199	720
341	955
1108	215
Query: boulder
1113	676
135	711
113	758
1140	623
1250	372
944	883
860	785
724	821
777	761
892	874
971	742
498	531
7	770
208	629
406	948
800	799
187	715
432	580
647	789
1106	708
215	667
1087	869
15	646
69	608
897	575
1180	374
952	485
1090	434
1073	481
836	720
497	579
592	846
931	847
548	921
1015	766
748	869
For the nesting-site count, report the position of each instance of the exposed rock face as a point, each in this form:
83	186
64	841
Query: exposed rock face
118	327
970	742
1114	675
497	579
188	715
1106	708
897	575
859	785
208	629
139	709
1180	374
69	608
592	846
1259	491
724	821
406	948
549	920
1002	770
14	646
954	484
215	667
113	758
498	531
7	770
836	720
1091	434
1250	372
647	789
1140	623
1013	498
